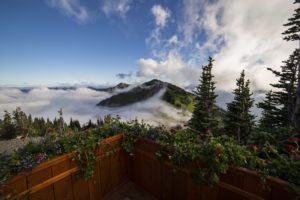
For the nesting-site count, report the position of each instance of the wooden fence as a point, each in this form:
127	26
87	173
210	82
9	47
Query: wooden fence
56	178
163	182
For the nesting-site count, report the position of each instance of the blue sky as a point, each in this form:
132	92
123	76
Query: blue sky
39	44
50	42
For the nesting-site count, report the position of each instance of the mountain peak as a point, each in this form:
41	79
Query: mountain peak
174	95
153	81
121	85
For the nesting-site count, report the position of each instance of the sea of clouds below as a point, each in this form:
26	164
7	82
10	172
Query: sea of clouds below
80	103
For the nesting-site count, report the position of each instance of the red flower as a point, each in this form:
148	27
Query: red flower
99	152
173	130
289	147
294	139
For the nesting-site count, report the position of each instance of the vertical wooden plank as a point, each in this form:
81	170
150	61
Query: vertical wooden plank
209	193
80	188
145	172
96	183
63	189
180	190
167	182
116	176
129	166
233	179
281	193
156	179
44	194
137	170
194	192
123	165
91	189
37	178
106	183
254	185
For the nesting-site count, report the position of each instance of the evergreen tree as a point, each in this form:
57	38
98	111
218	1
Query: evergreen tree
74	125
285	94
293	34
269	120
238	120
32	131
39	126
293	31
21	122
89	125
7	129
100	122
278	106
204	119
60	123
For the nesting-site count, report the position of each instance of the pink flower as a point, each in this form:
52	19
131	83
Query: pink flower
289	147
40	156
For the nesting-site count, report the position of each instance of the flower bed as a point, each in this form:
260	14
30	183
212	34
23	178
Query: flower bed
56	178
169	164
163	181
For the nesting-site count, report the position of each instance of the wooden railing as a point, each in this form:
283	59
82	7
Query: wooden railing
56	179
163	182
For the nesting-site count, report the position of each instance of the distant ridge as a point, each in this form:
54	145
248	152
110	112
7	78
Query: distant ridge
110	89
174	95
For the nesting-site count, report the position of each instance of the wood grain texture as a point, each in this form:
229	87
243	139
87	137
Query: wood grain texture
238	184
56	178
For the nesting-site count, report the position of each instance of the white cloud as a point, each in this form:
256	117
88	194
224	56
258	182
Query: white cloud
173	40
192	13
71	8
161	15
118	7
238	34
43	102
172	68
251	35
81	104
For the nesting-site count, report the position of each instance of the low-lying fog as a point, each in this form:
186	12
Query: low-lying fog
80	103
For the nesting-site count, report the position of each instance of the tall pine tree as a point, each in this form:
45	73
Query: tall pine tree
293	34
239	121
285	95
278	106
204	119
21	122
269	120
7	129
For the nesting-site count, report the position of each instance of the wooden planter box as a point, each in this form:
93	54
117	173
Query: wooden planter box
163	182
56	178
